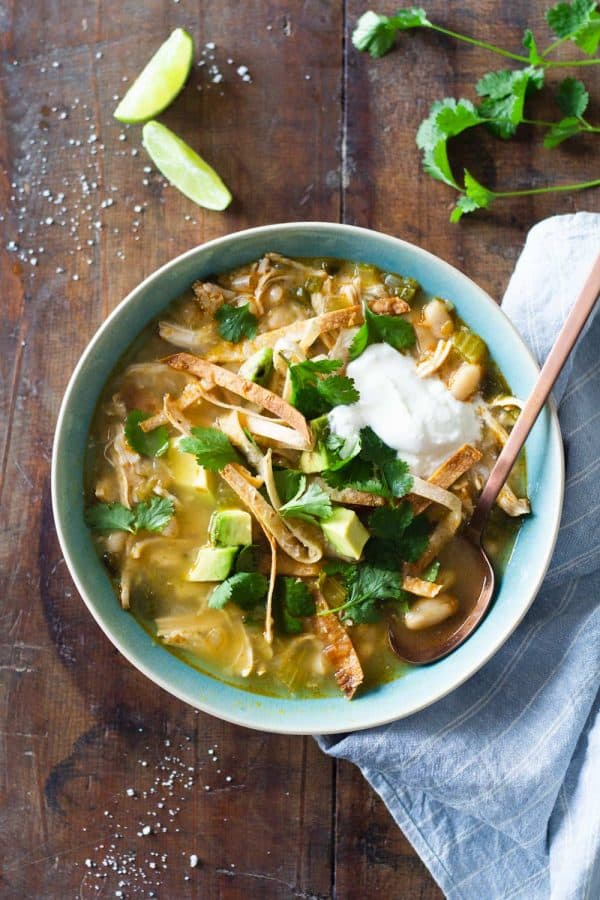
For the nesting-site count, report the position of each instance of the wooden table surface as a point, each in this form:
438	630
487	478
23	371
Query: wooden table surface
92	754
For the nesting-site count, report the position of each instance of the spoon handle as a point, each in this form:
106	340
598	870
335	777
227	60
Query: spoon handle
550	371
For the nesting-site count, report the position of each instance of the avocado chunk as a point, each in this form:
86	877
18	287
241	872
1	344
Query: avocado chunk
345	532
187	472
212	564
259	366
230	528
313	461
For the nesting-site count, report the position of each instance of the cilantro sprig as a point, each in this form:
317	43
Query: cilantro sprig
502	95
245	589
316	390
310	503
211	447
146	443
393	330
376	469
367	587
236	323
149	515
578	22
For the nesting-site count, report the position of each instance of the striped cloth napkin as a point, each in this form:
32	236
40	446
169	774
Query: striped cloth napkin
498	785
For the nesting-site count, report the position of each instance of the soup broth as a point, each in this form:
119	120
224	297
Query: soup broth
263	510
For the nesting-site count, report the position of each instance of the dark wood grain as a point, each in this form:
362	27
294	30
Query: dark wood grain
90	751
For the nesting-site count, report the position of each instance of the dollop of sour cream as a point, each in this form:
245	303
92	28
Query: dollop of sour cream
418	417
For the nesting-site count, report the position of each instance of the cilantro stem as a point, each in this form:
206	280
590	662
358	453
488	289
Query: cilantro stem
579	186
336	609
585	126
476	43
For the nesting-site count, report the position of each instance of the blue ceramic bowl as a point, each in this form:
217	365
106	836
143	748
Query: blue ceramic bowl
419	687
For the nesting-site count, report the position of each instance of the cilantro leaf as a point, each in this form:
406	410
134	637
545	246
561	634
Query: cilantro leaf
288	483
447	118
377	33
504	95
376	469
110	517
397	537
236	322
577	21
314	395
292	601
373	449
146	443
389	522
310	503
150	515
394	330
530	44
562	131
246	560
367	587
154	514
211	447
245	589
476	196
572	97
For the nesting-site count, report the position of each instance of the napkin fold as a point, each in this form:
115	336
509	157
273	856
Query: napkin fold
497	786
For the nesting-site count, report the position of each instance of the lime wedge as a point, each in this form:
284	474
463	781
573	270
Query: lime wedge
184	168
160	81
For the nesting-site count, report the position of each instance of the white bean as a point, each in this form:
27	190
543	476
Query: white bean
429	611
438	318
465	380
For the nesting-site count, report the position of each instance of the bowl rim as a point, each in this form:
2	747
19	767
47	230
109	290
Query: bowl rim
287	727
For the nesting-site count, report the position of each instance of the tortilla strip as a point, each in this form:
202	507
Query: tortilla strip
449	472
305	331
185	362
338	648
351	497
236	477
191	393
310	536
287	566
419	587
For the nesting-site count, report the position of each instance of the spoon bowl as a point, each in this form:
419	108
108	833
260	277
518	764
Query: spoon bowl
473	532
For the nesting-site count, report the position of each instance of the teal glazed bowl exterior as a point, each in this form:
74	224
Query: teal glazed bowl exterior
417	687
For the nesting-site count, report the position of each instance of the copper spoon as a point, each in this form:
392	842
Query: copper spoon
472	532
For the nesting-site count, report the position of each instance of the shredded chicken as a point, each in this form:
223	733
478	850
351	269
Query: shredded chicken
389	306
210	296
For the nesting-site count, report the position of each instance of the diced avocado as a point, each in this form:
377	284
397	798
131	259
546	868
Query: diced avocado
313	461
212	564
316	460
345	532
259	366
230	528
187	472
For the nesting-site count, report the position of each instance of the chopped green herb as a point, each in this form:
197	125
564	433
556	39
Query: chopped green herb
245	589
211	447
376	469
150	515
288	483
315	395
503	96
292	601
235	323
394	330
310	503
246	560
367	588
146	443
